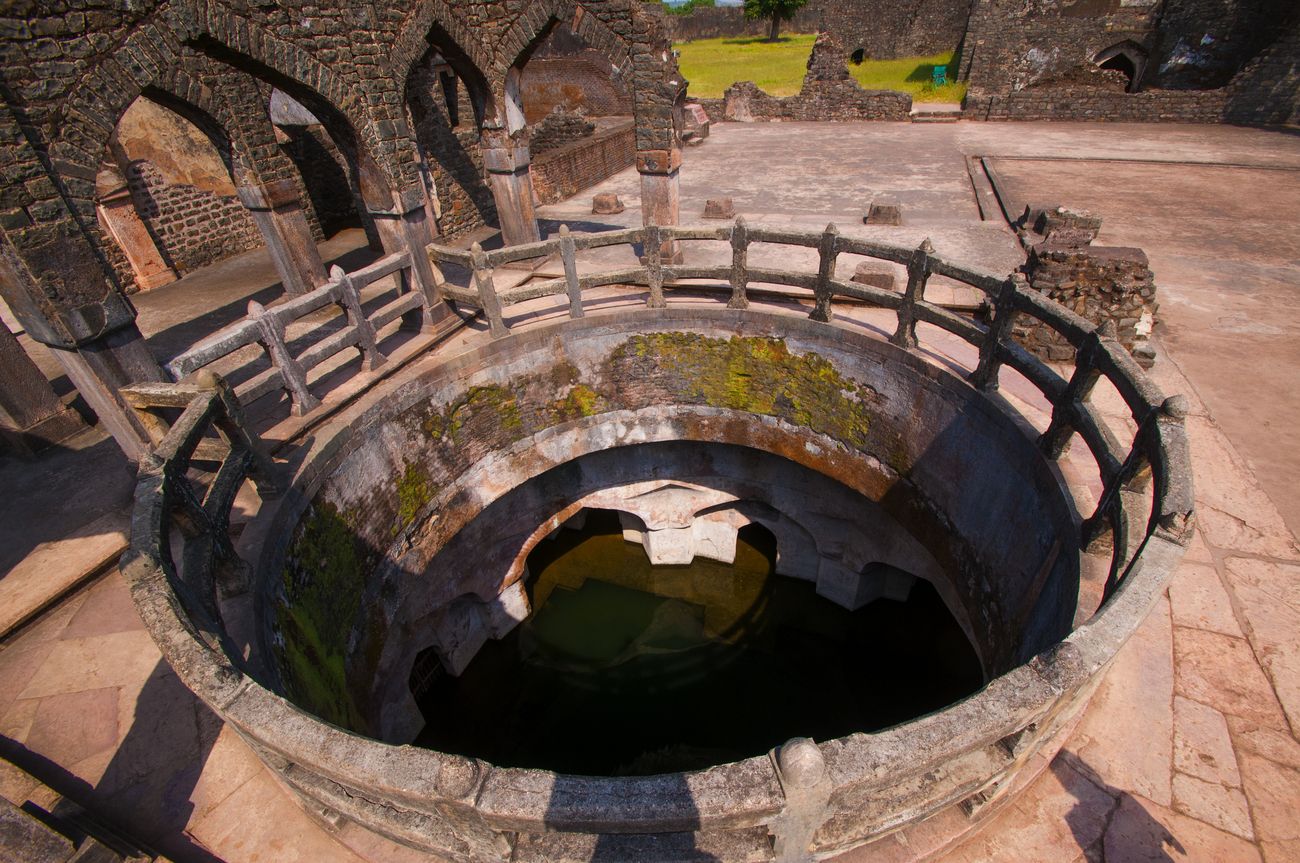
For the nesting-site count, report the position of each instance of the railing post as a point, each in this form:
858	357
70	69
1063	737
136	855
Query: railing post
487	292
350	300
232	423
1056	439
655	267
739	265
826	249
985	376
1169	426
918	273
291	372
569	255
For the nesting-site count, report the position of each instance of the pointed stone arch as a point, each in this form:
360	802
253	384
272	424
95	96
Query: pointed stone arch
1128	57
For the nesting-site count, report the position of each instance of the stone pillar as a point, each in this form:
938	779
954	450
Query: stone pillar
31	415
407	227
507	161
277	211
118	214
90	328
661	193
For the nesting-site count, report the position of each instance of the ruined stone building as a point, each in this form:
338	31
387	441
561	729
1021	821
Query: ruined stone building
143	143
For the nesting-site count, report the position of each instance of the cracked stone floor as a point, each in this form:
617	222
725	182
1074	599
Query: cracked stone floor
1189	749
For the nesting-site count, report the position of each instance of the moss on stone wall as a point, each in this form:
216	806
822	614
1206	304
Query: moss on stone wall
752	374
414	491
323	581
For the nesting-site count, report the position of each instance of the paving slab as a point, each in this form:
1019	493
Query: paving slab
1222	671
1268	594
1137	693
1203	745
1141	831
53	568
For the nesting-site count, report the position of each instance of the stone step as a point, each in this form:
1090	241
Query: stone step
937	117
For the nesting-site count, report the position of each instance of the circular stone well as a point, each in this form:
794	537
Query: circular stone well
401	549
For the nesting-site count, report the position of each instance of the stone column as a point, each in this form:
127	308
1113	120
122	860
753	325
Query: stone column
31	415
507	161
117	212
407	227
277	211
661	193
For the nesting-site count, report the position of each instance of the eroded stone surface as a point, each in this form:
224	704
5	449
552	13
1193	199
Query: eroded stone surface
1273	791
1269	594
1214	804
1143	832
1215	669
1197	599
1136	693
1202	747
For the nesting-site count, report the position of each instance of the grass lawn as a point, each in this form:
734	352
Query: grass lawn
712	65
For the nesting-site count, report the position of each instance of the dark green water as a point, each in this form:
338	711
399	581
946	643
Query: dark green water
626	668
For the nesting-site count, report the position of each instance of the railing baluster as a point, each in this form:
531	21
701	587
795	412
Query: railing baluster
826	249
350	299
739	265
985	376
487	292
654	265
231	421
291	371
918	274
569	255
1056	439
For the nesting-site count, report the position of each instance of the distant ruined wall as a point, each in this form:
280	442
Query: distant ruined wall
828	93
883	29
1191	61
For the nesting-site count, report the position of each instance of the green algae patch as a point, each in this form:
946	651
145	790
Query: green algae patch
414	491
495	400
322	585
582	401
751	374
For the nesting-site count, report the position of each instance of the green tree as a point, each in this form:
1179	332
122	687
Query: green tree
776	10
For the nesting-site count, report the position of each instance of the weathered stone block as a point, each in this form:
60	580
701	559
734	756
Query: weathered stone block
1066	227
884	210
606	204
719	208
876	274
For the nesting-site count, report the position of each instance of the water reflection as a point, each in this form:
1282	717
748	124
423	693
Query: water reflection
628	669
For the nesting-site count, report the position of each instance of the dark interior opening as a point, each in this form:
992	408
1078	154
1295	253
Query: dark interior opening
624	668
1122	63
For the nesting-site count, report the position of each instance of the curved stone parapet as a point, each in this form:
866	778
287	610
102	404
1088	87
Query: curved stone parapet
407	470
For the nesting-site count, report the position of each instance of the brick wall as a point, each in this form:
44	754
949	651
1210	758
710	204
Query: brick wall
1080	102
560	127
584	81
449	143
193	227
567	170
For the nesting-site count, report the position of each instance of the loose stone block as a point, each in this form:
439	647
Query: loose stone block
876	274
1065	227
884	210
719	208
606	204
696	125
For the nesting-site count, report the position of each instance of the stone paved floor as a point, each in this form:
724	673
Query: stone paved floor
1189	751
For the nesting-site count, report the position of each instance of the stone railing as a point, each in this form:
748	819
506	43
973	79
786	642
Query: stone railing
268	327
803	797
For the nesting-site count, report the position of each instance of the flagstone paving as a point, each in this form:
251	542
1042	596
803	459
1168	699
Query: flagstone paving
1187	752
